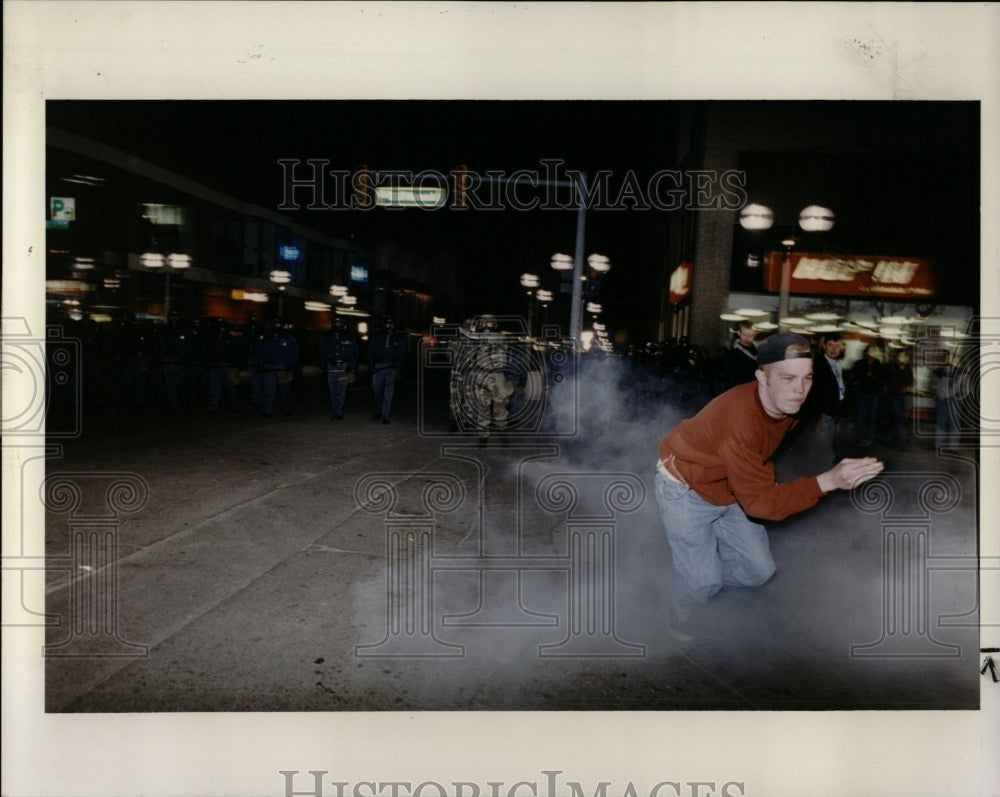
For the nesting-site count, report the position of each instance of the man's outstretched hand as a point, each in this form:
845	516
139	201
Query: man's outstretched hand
849	473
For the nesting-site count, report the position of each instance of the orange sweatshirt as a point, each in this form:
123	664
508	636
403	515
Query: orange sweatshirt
724	452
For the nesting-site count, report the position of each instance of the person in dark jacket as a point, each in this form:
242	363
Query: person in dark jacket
740	364
825	404
868	380
386	353
279	356
224	354
338	355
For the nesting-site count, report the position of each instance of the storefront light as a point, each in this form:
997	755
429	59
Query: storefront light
178	261
152	260
280	277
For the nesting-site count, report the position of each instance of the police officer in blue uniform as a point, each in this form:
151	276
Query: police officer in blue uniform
279	356
176	351
224	354
338	354
386	352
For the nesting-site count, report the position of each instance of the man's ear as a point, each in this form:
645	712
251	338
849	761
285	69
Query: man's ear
761	377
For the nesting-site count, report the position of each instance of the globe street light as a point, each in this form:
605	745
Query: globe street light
530	282
812	218
598	266
175	261
281	279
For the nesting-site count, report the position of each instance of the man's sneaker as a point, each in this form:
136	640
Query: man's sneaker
680	628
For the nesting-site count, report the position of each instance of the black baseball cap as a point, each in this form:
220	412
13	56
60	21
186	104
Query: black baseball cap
783	346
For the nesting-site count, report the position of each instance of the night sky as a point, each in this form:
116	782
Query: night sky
234	146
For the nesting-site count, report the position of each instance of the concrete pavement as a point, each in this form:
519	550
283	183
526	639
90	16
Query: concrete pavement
303	564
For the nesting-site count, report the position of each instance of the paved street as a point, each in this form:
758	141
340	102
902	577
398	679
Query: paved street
304	564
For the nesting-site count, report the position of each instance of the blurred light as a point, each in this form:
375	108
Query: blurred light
280	277
765	326
363	327
543	295
816	219
587	338
179	261
751	312
100	318
732	317
894	319
756	217
600	263
338	290
822	316
594	307
152	260
795	322
530	280
317	307
349	300
561	262
254	296
821	328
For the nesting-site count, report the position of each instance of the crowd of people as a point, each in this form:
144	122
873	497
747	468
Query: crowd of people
497	382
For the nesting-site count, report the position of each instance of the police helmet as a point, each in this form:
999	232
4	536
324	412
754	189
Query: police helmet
487	323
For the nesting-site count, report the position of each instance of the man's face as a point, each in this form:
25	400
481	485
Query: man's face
833	348
747	335
784	385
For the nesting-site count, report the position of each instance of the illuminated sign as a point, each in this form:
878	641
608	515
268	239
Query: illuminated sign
62	208
288	253
852	275
359	274
410	196
680	282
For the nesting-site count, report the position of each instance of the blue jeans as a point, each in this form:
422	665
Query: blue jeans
947	423
384	387
336	379
711	545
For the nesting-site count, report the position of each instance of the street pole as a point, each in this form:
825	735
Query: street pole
576	308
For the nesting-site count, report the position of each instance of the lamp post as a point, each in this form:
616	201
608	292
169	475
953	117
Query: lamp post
530	283
169	263
281	279
812	218
599	265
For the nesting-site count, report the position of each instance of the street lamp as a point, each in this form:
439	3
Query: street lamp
812	218
598	264
530	282
169	263
281	279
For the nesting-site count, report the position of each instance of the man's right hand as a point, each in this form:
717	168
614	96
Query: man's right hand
849	473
